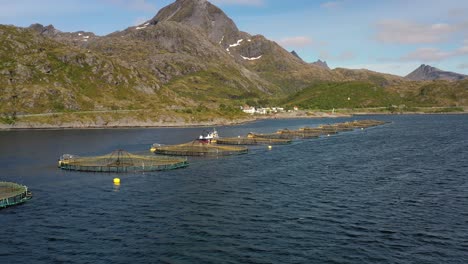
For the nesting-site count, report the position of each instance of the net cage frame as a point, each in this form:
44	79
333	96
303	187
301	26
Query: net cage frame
284	136
198	148
314	132
12	194
252	141
122	161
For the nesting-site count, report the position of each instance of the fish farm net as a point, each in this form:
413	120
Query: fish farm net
197	148
252	141
13	194
341	127
313	132
121	161
283	135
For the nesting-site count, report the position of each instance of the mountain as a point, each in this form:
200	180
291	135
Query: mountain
190	58
427	72
295	54
322	64
194	38
39	74
203	15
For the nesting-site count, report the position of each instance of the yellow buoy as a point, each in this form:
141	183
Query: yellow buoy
270	147
116	181
153	149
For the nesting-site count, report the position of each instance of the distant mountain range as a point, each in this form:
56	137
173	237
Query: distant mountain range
189	55
426	72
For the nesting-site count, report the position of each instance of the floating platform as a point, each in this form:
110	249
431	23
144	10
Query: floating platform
198	148
120	161
300	134
252	141
285	134
13	194
322	130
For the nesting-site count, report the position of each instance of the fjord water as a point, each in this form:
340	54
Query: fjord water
396	193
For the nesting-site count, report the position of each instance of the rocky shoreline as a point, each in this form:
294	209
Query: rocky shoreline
129	123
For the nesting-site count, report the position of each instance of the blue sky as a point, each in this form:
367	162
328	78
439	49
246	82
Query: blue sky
387	36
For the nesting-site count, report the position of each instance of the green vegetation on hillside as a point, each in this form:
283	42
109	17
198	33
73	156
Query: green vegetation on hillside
343	95
443	95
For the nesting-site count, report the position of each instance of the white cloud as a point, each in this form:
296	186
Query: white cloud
331	4
299	41
463	50
427	54
405	32
434	54
239	2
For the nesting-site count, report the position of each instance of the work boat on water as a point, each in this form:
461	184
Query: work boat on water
208	137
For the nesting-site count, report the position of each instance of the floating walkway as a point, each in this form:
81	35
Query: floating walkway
13	194
252	141
198	148
284	134
120	161
314	132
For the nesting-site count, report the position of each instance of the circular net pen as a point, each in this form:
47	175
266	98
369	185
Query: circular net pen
13	194
121	161
196	148
252	141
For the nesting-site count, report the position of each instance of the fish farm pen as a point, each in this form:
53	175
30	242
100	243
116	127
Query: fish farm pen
300	134
283	135
252	141
314	132
197	148
120	161
13	194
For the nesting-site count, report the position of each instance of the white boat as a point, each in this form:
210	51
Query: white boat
208	137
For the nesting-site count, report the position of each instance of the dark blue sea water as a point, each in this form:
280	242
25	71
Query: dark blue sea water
397	193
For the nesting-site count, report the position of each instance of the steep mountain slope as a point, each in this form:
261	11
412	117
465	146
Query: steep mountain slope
184	60
296	55
203	15
381	79
261	56
38	74
427	72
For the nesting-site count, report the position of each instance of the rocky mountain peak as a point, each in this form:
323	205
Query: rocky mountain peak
321	63
427	72
294	53
49	30
202	14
